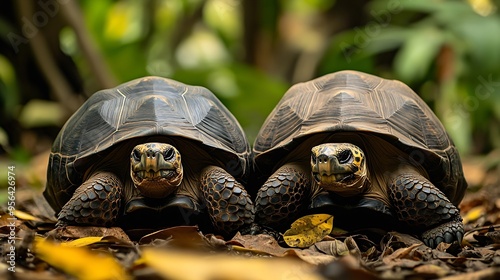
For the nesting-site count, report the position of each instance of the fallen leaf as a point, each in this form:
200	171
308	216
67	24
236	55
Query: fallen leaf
311	256
79	262
487	273
400	253
183	265
258	244
335	248
431	270
7	222
25	216
75	232
347	267
180	236
353	247
86	241
81	242
308	230
474	214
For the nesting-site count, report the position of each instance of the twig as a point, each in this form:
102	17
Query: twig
105	78
45	60
481	228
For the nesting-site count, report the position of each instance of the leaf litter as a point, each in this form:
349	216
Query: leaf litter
184	252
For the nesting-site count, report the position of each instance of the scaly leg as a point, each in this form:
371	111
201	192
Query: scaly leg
229	205
283	197
421	205
96	202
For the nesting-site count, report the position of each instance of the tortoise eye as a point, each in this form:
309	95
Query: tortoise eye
344	156
136	155
169	154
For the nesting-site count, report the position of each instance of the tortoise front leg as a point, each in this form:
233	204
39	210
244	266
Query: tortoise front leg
421	205
283	197
229	205
96	202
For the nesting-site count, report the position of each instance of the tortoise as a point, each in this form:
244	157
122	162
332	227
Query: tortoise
354	141
121	151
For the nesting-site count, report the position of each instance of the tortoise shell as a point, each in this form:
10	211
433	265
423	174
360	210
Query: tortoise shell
146	107
350	101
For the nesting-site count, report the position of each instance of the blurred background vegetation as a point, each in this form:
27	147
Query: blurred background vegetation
55	53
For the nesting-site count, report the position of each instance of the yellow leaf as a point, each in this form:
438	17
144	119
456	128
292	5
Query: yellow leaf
81	242
474	214
25	216
79	262
308	230
170	264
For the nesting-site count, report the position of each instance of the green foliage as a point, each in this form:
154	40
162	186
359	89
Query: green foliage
445	50
249	53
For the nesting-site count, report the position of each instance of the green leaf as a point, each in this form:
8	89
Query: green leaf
413	61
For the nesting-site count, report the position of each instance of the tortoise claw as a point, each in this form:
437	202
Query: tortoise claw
448	232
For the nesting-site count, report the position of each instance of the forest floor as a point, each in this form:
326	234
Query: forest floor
42	252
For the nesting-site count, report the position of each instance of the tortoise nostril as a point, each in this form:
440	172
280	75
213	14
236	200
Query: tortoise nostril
323	158
150	153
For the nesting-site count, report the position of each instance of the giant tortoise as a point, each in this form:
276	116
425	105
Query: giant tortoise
121	152
357	141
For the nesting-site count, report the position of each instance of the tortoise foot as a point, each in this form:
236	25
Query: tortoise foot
448	232
283	197
420	204
229	205
96	202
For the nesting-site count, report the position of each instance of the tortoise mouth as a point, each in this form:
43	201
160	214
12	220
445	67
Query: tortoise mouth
155	175
339	178
157	184
345	184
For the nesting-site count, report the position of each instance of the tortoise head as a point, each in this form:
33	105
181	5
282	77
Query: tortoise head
156	169
339	168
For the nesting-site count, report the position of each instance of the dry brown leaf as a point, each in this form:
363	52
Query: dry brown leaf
432	270
187	266
488	273
75	232
352	246
400	253
180	236
311	256
79	262
261	243
308	230
335	248
347	267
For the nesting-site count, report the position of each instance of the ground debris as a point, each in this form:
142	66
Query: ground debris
42	251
